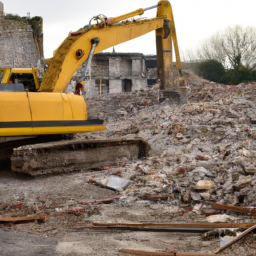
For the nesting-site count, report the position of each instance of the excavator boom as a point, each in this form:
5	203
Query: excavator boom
76	48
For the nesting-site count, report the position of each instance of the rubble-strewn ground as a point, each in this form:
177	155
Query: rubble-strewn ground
202	152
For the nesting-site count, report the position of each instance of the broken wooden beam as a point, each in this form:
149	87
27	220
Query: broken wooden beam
21	219
153	197
175	225
115	229
235	239
104	201
152	253
234	208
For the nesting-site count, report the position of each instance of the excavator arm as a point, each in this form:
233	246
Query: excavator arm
79	46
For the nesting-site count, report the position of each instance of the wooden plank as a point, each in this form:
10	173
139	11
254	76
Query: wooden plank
100	86
21	219
152	253
233	208
235	239
176	225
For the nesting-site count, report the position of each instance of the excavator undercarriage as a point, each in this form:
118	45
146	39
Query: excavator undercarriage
73	155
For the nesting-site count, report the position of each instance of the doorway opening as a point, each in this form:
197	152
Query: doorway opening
127	85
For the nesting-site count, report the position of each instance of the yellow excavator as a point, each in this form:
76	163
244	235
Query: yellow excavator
32	116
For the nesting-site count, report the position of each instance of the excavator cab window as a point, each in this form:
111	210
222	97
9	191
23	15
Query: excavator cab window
26	79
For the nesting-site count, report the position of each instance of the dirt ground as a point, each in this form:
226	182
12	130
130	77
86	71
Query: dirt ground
25	244
63	232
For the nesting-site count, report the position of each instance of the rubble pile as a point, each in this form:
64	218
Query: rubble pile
201	171
202	151
113	107
202	90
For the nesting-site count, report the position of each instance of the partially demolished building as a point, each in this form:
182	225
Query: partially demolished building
116	72
17	44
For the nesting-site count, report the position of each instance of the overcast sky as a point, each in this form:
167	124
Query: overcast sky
195	19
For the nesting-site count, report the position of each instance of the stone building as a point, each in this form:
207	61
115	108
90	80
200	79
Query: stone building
120	72
17	43
115	73
124	72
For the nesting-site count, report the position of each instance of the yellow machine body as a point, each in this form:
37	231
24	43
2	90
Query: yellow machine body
31	113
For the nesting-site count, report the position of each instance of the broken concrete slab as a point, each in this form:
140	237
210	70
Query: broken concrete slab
117	183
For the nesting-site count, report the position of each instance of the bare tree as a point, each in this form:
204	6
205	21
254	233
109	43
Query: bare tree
231	47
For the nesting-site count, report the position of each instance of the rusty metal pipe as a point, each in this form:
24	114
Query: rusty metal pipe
151	7
113	20
94	41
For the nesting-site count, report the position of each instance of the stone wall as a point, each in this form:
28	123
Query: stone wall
17	44
100	68
115	86
1	10
115	67
126	67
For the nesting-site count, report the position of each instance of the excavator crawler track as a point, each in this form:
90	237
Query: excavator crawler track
74	155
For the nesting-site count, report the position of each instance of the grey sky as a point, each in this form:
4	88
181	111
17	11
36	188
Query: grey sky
195	19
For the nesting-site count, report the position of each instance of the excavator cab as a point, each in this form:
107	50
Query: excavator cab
25	76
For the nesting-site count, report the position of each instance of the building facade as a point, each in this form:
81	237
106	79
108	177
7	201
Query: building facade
114	73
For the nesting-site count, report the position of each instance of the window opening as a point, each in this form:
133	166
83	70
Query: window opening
104	86
127	85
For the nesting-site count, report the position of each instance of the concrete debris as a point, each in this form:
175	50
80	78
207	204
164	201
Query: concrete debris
235	239
117	183
201	151
225	240
220	218
205	184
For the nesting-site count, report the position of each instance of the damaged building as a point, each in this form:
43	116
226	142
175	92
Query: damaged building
120	72
116	72
18	44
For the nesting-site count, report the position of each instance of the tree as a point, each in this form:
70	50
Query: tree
211	70
234	48
229	46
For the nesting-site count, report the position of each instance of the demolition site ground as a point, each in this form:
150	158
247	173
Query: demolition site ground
201	171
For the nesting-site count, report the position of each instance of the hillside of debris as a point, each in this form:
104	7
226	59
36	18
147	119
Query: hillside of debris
201	170
202	151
